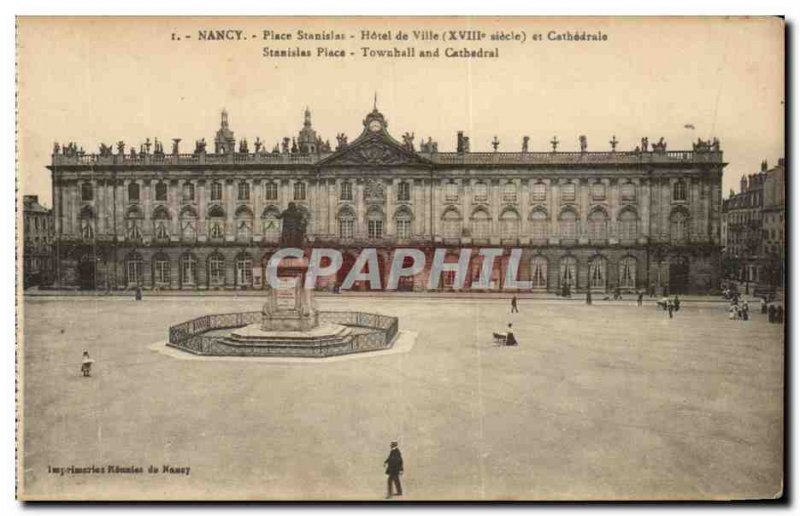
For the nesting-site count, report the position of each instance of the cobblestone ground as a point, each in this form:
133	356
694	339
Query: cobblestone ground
608	401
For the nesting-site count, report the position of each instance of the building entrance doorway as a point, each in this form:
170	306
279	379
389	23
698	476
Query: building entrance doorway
86	274
679	276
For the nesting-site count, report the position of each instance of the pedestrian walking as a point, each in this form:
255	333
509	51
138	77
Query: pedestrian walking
670	308
652	290
588	296
639	298
86	364
677	303
514	308
138	295
394	468
745	310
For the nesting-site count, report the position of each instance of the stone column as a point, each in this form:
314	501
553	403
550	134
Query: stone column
555	205
121	206
257	198
202	211
390	204
147	207
523	200
230	209
361	222
583	192
174	197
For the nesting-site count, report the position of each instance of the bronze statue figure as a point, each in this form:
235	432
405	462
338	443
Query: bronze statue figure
293	232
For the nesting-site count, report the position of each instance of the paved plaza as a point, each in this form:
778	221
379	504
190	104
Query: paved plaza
609	401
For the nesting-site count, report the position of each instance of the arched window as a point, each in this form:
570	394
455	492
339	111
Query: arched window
678	227
188	269
568	225
539	272
539	192
451	224
161	223
216	269
375	224
188	192
539	225
568	192
133	192
271	191
628	226
133	269
161	191
627	272
598	226
161	270
597	272
216	223
244	270
271	223
188	221
216	191
87	192
568	272
244	191
481	192
679	190
403	191
299	191
86	220
510	192
244	224
509	225
347	223
346	191
402	223
481	224
133	224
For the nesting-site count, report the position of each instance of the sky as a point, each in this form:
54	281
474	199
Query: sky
93	80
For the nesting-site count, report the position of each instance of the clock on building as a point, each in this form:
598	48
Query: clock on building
375	126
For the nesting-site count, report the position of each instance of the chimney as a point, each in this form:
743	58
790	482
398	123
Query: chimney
460	142
764	166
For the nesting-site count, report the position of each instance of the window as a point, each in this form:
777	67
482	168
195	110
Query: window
481	224
347	224
188	219
272	224
568	272
216	191
299	191
87	192
403	225
216	230
628	226
539	225
133	230
188	192
678	227
403	191
597	272
679	190
133	192
216	270
510	192
161	191
161	269
244	270
598	192
539	192
598	225
87	229
133	269
481	192
271	191
568	192
451	224
451	192
628	192
346	191
161	224
375	225
627	272
509	225
244	191
568	225
539	272
188	269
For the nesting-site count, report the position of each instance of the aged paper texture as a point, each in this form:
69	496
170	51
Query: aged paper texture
454	258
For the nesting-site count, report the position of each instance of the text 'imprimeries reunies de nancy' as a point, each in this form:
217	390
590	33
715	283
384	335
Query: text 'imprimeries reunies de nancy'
395	43
113	469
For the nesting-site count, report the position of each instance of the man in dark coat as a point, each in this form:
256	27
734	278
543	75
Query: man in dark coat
394	468
514	305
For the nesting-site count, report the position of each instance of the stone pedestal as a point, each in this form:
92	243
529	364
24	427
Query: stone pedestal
290	307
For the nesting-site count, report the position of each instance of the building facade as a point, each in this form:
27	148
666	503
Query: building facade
774	225
601	220
37	251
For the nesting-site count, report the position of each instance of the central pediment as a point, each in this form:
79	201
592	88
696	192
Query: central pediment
374	149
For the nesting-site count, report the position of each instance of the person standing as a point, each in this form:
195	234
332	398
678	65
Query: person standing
394	468
677	303
670	307
511	340
514	308
745	310
138	294
86	364
639	298
588	296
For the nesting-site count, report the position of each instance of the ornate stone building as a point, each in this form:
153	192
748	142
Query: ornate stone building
633	219
37	252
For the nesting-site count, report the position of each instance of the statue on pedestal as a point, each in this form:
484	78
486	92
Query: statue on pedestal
293	233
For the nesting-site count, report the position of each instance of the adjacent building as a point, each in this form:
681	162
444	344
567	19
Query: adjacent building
642	218
774	225
37	249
